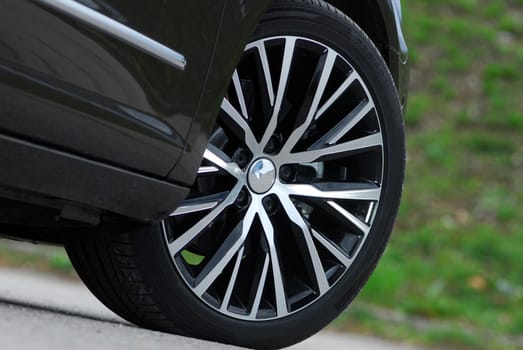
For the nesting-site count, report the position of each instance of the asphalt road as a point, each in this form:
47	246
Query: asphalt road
46	312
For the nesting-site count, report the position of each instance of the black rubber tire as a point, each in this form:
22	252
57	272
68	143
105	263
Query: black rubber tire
133	274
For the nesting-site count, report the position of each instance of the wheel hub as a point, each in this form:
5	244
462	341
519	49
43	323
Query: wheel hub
261	175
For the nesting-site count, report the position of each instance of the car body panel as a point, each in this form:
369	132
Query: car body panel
90	187
398	49
83	91
226	56
83	94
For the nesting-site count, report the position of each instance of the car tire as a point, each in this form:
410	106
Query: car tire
323	236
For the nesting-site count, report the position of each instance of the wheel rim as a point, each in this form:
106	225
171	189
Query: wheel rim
289	186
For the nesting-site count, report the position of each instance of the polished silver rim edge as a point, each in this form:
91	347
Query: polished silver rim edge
289	186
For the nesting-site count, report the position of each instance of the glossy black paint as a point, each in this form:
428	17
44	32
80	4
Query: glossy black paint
391	11
237	14
81	91
89	187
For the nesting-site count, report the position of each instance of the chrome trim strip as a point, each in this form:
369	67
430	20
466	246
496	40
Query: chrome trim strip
118	30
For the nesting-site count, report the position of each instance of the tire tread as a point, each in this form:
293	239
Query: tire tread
108	267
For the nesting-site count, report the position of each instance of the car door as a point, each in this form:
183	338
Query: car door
89	77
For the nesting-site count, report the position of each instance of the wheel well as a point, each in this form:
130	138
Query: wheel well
367	16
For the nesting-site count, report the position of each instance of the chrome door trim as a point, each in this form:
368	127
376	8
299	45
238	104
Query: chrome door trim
117	30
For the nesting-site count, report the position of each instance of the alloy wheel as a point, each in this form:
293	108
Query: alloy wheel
289	187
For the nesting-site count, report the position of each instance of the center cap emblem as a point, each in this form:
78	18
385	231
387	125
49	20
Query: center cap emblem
262	175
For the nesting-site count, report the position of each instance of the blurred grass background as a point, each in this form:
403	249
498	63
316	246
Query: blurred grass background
452	275
453	272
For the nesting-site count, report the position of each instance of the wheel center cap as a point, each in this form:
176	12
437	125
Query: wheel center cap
261	175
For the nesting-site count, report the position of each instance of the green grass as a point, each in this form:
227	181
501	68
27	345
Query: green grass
40	258
453	268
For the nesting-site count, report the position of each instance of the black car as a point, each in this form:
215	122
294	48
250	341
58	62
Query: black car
223	169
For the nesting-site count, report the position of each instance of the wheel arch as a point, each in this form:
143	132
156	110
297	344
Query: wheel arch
381	20
368	16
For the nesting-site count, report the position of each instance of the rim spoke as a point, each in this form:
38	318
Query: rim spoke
221	160
279	291
239	93
336	151
259	290
266	71
333	249
315	93
225	253
233	274
181	242
232	281
240	127
288	54
199	204
208	170
337	94
317	266
346	124
363	227
341	190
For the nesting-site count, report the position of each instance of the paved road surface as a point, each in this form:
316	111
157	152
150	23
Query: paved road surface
46	312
